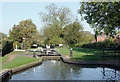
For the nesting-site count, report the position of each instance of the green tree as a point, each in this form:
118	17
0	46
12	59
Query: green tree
26	29
87	37
55	20
72	34
57	40
56	16
16	34
3	36
102	16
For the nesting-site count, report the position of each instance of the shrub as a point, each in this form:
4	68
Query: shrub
109	44
118	46
27	45
99	45
7	47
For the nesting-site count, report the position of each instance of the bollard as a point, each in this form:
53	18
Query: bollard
34	54
70	52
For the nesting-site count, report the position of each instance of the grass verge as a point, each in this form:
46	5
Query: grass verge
3	59
17	52
87	54
18	61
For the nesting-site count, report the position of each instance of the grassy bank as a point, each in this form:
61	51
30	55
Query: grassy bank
17	52
18	61
86	54
3	59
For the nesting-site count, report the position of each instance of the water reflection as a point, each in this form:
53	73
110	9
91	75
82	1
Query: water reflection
109	74
57	70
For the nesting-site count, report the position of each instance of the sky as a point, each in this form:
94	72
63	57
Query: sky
14	12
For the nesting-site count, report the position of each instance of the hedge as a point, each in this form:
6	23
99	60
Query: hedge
101	45
7	47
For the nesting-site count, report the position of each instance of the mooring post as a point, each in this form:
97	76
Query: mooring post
34	54
71	53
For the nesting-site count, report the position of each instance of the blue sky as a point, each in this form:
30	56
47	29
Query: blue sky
14	12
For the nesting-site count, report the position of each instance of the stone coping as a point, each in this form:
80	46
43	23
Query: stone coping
14	70
18	50
6	72
105	63
2	72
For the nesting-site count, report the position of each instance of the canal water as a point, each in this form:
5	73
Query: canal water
57	70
